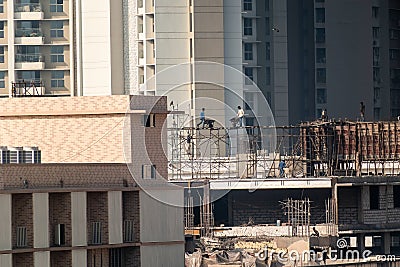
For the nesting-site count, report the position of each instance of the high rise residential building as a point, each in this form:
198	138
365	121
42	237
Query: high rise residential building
342	53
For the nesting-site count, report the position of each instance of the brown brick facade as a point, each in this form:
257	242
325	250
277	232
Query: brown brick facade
22	259
131	211
60	213
97	203
60	258
22	216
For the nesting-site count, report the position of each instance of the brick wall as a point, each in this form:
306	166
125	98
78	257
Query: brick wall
97	257
60	258
97	211
348	202
60	213
22	216
264	206
132	256
131	211
22	259
66	175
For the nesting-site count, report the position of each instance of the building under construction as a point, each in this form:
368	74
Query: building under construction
340	180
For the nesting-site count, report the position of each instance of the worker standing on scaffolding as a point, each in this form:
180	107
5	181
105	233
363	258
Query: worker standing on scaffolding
202	118
362	111
240	115
282	166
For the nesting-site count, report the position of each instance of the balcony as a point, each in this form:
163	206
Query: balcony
29	61
29	11
23	88
29	36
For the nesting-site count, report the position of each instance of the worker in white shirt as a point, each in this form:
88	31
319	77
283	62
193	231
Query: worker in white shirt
240	115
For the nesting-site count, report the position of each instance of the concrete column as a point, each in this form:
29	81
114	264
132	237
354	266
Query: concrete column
361	242
79	258
386	243
40	220
115	217
41	259
5	224
6	260
79	219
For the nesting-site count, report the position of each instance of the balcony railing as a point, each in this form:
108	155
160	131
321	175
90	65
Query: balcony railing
29	58
28	32
33	7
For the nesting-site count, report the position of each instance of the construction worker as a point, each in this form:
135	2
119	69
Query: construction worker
240	115
282	166
202	118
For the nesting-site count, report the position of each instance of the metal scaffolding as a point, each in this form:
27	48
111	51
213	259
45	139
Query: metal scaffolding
313	149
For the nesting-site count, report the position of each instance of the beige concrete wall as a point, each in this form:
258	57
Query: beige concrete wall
117	47
5	224
41	259
79	258
151	256
156	217
6	260
115	217
79	221
40	220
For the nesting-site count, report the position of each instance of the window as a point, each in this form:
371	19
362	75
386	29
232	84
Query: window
268	76
1	54
374	197
249	75
57	54
375	32
377	114
57	78
1	6
56	5
320	55
396	196
2	79
377	94
267	26
321	95
375	55
1	29
247	5
394	54
320	35
394	34
321	75
247	26
377	75
149	171
22	240
59	235
375	12
320	15
96	233
149	120
140	24
57	29
395	99
268	50
128	231
249	101
395	242
116	257
248	51
319	1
